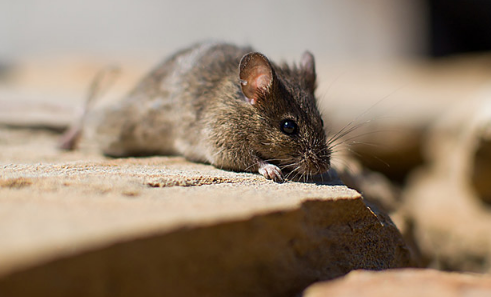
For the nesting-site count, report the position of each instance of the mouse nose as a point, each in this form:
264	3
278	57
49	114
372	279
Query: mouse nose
317	161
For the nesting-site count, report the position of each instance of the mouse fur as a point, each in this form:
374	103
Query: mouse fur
225	105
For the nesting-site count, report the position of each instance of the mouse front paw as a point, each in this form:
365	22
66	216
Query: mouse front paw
270	171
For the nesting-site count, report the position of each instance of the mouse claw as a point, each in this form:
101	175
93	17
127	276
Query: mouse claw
271	171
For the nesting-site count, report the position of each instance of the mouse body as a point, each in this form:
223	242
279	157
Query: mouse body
225	105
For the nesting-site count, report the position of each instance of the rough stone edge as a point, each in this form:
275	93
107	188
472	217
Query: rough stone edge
403	282
274	254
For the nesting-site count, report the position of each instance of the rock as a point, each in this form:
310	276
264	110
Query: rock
394	104
77	224
374	186
402	283
448	200
379	193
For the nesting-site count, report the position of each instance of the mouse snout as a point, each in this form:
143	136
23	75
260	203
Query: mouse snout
316	161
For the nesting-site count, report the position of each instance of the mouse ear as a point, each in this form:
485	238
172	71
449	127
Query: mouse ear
307	64
256	76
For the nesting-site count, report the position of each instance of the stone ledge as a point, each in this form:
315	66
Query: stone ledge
155	226
404	283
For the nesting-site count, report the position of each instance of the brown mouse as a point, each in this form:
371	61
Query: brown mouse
224	105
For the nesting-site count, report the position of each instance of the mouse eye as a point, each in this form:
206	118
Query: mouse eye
289	127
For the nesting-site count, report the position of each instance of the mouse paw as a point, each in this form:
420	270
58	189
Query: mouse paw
270	171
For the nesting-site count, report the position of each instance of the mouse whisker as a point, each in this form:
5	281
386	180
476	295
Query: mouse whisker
345	141
346	130
366	112
298	174
372	156
292	172
340	164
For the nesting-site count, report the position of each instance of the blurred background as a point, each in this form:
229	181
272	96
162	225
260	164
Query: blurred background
340	29
373	29
414	75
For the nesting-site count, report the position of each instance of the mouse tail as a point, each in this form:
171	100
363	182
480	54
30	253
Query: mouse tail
97	88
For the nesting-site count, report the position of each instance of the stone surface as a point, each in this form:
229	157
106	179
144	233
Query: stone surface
78	224
95	208
403	283
448	199
380	193
395	104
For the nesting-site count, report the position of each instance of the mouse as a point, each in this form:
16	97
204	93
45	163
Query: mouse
225	105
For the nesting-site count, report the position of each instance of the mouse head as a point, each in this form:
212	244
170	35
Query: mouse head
288	128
